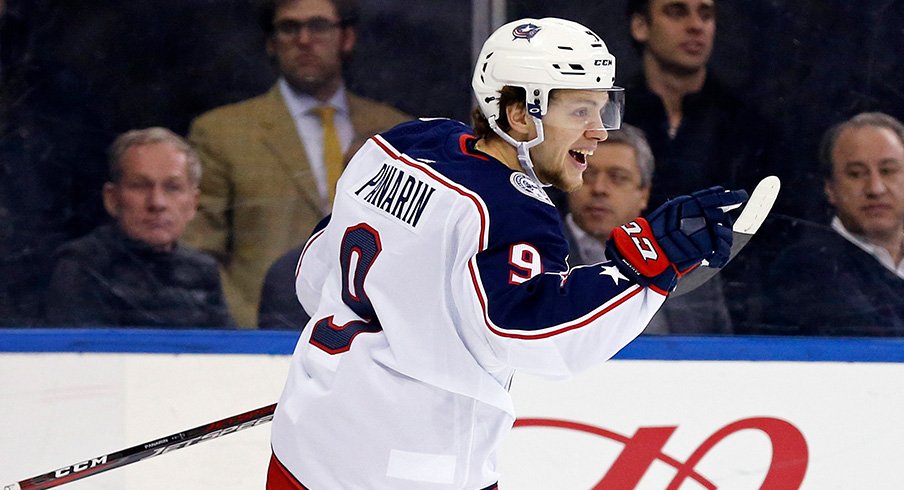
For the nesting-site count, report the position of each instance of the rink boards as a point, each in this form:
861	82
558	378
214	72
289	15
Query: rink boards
692	413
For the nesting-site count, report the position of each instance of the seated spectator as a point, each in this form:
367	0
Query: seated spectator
133	272
616	190
279	308
849	280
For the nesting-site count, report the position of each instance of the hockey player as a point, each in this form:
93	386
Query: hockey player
442	271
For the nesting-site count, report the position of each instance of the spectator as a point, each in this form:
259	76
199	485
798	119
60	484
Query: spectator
133	272
701	133
279	307
270	167
849	280
616	189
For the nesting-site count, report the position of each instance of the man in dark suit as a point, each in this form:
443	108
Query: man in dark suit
849	280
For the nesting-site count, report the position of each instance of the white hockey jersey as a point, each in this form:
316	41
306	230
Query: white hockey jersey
439	274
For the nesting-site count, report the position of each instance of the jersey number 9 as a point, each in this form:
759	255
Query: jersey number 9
360	248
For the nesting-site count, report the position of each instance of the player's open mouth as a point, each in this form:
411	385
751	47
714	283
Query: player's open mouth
580	155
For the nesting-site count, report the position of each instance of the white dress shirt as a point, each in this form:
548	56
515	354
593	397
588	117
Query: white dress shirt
876	251
590	248
310	130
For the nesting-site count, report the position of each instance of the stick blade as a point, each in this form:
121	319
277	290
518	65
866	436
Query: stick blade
752	217
758	206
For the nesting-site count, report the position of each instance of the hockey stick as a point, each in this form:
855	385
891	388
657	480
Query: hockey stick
147	450
752	216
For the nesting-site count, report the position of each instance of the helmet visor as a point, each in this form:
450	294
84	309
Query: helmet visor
586	109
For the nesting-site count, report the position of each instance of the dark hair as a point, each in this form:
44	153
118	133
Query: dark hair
347	10
637	7
864	119
509	95
641	7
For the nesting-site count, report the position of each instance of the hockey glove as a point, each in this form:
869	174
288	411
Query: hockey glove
676	238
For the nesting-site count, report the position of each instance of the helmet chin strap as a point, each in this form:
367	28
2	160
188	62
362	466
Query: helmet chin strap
523	148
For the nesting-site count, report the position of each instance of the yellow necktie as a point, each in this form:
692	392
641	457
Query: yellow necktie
332	151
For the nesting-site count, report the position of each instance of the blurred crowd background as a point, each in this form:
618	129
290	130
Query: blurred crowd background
77	74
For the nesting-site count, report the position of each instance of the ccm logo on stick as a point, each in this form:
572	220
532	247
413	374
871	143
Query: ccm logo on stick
84	465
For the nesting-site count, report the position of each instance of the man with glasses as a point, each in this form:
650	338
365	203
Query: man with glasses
616	188
271	161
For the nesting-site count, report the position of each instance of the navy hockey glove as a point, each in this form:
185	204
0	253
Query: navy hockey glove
676	238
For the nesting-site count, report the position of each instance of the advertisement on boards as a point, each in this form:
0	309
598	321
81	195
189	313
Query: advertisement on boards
709	425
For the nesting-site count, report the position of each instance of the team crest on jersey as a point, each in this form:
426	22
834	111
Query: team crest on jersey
525	31
527	186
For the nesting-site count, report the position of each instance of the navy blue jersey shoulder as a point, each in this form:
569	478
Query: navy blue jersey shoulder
526	241
515	216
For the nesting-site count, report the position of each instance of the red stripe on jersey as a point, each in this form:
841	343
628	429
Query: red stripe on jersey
565	327
463	144
481	207
658	289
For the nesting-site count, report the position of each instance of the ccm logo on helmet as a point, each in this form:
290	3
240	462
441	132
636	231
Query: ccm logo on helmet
602	62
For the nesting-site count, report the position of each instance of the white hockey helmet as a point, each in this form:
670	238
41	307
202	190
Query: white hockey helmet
541	55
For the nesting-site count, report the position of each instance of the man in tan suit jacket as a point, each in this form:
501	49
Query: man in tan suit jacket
263	189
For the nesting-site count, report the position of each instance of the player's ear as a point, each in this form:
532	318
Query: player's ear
519	119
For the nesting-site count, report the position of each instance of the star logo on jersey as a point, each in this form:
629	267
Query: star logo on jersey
614	273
